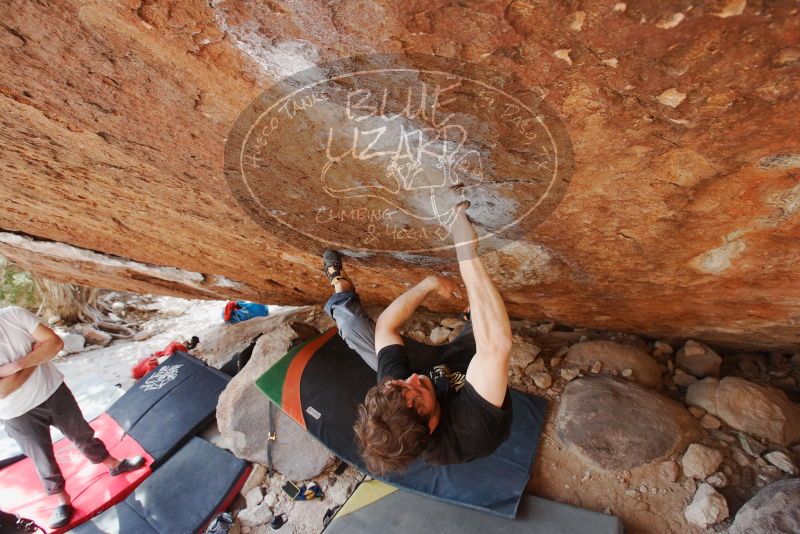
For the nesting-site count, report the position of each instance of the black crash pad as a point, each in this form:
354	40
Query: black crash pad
170	404
181	496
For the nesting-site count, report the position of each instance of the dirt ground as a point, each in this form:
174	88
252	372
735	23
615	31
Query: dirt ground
645	502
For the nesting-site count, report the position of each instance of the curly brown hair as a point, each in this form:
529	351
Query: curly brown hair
390	435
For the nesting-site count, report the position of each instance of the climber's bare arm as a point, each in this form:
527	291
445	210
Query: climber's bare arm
488	370
10	384
389	323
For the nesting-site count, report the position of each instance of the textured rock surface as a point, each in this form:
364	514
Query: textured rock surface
616	356
774	510
707	507
621	425
700	461
698	359
680	218
759	410
242	410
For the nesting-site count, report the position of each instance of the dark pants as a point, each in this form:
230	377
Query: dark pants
31	431
357	329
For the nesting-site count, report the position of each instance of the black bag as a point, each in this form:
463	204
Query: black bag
14	524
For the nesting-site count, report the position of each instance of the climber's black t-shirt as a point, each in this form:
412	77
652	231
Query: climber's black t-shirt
469	426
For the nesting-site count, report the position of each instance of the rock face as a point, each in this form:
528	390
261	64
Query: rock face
243	411
774	510
749	407
620	425
616	356
112	154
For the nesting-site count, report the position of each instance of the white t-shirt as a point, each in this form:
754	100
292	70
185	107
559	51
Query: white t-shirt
16	326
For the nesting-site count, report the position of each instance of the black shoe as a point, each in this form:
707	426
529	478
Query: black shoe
332	265
61	516
128	464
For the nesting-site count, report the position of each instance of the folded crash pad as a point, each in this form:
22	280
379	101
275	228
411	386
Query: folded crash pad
170	404
321	382
378	507
92	488
181	496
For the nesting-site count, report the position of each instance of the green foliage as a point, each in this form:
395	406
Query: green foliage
17	287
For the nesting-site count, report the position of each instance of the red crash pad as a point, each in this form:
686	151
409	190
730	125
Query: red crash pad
91	487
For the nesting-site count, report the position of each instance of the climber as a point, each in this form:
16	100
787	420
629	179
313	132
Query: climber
33	397
446	404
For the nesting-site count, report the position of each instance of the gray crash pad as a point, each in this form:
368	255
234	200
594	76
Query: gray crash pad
377	507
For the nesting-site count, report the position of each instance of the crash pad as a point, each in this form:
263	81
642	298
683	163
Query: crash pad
321	382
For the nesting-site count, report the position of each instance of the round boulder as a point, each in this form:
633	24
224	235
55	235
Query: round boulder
760	410
616	424
616	357
243	412
773	510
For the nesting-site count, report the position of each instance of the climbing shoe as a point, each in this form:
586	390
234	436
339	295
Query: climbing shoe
332	265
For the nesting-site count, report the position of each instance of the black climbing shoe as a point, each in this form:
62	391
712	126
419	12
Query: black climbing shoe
128	464
332	265
61	516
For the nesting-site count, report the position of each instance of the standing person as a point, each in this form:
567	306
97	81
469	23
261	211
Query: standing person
445	404
33	397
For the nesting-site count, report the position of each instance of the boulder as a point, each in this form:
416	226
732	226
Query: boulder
773	510
253	516
617	425
707	507
616	356
254	496
698	359
782	461
72	342
700	461
439	335
522	352
92	335
243	410
542	380
760	410
683	379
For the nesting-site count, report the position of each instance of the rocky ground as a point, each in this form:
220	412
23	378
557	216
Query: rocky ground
670	435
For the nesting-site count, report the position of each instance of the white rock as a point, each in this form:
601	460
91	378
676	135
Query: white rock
118	306
439	335
751	446
627	373
254	496
718	480
781	461
271	499
596	367
254	516
92	335
254	479
707	508
542	380
700	461
73	342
